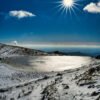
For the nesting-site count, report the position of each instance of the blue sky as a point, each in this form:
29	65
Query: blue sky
43	21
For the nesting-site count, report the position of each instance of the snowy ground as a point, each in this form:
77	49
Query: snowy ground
80	83
47	63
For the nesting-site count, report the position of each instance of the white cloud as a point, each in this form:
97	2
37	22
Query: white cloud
99	4
21	14
92	8
15	42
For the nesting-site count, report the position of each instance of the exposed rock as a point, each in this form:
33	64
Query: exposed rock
98	98
45	77
97	57
50	93
91	86
88	77
65	86
59	74
95	93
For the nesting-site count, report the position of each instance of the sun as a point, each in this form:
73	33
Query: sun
68	3
68	6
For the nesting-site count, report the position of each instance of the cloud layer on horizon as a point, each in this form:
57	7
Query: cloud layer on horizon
21	14
92	7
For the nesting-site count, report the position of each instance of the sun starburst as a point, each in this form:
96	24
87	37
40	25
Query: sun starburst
68	3
68	6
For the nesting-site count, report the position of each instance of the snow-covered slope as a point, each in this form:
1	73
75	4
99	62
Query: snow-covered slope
9	50
82	82
75	84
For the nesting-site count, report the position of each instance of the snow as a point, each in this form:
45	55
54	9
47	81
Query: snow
47	63
59	63
7	51
45	85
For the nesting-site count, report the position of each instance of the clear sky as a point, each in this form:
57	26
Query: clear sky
47	21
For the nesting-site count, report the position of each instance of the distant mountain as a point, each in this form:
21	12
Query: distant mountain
97	57
10	50
69	53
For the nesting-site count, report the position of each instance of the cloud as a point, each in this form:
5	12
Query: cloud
14	42
21	14
92	7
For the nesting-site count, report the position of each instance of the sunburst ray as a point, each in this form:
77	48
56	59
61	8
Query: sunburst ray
68	6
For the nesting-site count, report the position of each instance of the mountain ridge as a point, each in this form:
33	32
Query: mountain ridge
17	50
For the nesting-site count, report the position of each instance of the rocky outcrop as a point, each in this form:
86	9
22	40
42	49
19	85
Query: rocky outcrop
88	77
97	57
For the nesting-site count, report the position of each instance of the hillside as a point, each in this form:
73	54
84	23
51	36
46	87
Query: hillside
28	74
9	50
